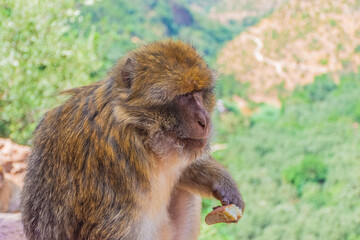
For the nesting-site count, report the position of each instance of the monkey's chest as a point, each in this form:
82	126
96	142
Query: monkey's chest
161	191
160	195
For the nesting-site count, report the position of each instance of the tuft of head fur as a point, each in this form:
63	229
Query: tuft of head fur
159	71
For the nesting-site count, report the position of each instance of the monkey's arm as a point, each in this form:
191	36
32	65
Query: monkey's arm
207	177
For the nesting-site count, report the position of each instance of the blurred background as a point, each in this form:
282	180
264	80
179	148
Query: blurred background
288	111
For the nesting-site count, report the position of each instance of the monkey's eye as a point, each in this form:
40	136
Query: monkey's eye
186	94
208	90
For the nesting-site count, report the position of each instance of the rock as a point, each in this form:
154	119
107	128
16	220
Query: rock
11	227
9	194
13	160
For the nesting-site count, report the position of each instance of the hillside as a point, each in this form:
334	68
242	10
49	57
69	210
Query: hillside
299	41
297	167
227	11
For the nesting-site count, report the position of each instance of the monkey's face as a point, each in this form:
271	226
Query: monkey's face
192	123
170	85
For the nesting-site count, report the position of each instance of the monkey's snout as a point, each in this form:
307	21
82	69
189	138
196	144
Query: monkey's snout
202	124
202	120
201	127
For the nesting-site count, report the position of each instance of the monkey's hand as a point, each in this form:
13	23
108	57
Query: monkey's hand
207	177
228	193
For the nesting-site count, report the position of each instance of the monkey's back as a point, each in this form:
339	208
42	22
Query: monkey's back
79	170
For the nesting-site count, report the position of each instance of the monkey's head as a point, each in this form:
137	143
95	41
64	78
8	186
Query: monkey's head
168	84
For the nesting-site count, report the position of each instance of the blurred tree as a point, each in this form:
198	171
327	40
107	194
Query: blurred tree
311	169
182	16
40	56
322	86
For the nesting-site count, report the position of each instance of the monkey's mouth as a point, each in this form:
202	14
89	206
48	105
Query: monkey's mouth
194	143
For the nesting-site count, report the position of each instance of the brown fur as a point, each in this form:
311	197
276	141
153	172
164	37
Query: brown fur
118	160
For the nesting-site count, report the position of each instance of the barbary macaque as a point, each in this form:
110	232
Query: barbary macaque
128	157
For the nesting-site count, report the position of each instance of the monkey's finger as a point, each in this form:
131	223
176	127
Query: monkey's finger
233	221
225	201
219	193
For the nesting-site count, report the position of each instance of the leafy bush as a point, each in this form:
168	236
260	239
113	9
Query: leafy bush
322	86
357	49
266	113
228	86
356	112
311	169
41	55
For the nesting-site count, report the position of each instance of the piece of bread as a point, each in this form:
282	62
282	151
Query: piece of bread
227	214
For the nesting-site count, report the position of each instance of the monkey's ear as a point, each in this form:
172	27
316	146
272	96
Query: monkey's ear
127	73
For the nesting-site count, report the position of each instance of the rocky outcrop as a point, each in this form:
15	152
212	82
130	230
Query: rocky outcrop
13	160
12	170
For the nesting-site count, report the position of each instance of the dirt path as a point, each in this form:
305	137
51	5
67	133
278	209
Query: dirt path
260	58
279	65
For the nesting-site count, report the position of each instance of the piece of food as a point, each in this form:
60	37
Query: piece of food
227	214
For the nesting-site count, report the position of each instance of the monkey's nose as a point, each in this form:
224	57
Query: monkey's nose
202	120
202	124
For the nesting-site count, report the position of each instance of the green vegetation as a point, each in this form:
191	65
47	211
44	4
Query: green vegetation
318	91
123	25
357	49
309	170
297	166
332	22
41	55
228	86
49	46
